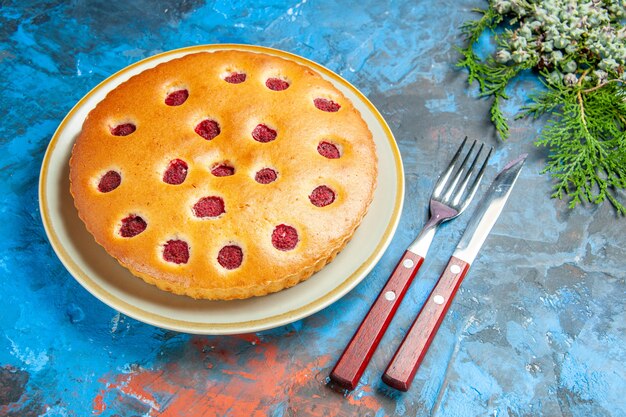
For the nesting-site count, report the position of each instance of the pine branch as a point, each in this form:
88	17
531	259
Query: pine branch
584	90
473	29
587	152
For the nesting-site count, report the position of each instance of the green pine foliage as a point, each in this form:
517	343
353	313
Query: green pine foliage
584	96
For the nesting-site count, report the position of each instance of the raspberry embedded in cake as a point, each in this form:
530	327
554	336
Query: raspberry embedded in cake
235	78
262	133
328	150
176	251
109	181
208	129
132	226
322	196
265	176
325	104
284	237
276	84
176	172
223	170
211	206
123	129
230	257
176	98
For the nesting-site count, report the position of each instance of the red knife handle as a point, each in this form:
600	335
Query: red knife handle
359	351
403	366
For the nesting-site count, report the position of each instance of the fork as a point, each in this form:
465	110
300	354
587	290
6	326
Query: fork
449	198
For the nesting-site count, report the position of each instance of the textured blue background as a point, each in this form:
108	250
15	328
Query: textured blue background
538	327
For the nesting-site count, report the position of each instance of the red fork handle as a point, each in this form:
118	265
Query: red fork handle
359	351
408	357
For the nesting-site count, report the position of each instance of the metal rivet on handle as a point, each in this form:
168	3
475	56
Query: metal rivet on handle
438	299
455	269
390	295
408	263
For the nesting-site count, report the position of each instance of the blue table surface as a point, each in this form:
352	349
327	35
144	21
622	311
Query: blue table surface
538	327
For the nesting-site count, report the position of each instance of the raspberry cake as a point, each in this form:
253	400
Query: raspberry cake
224	175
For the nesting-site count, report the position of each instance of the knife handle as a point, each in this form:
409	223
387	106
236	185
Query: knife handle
407	359
359	351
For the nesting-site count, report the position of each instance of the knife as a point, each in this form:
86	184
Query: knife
407	359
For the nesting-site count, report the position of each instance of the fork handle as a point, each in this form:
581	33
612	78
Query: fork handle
408	357
359	351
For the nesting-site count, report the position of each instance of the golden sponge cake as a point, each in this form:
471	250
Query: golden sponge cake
223	175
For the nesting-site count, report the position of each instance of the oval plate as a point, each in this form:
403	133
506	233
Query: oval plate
102	276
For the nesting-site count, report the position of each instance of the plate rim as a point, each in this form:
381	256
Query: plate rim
254	325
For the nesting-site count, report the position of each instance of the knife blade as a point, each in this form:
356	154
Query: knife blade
407	359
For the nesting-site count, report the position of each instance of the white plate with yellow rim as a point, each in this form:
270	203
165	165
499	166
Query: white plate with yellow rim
101	274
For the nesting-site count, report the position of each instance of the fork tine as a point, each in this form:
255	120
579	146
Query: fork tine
459	193
476	183
455	181
443	179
